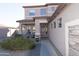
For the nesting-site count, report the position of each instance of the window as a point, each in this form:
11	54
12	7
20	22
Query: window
43	11
51	25
50	9
60	22
54	24
32	12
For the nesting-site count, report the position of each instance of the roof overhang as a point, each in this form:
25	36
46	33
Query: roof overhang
41	17
26	22
35	6
58	11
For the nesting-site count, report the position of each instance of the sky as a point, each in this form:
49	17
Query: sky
10	13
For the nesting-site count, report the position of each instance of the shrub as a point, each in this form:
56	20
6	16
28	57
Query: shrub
18	43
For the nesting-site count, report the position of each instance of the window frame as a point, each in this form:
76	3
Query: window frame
43	11
51	9
32	12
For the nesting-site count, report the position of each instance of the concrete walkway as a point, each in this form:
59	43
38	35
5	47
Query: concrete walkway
47	49
36	50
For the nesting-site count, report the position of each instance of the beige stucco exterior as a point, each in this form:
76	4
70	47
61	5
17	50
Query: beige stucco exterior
57	35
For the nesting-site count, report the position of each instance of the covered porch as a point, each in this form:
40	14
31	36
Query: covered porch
37	27
25	26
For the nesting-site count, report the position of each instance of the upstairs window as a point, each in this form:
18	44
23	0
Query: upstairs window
43	12
32	12
51	9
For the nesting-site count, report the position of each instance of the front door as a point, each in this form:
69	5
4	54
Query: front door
44	30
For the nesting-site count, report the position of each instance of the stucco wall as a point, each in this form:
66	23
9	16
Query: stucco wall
57	35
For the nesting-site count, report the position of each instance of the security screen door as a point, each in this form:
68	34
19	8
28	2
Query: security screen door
72	38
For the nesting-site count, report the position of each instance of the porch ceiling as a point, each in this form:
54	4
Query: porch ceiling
26	22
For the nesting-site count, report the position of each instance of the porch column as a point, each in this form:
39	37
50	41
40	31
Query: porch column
37	28
20	28
32	27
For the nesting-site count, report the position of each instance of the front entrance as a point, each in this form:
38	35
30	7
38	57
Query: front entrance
43	30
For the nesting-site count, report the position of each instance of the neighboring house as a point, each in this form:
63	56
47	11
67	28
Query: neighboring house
50	21
3	32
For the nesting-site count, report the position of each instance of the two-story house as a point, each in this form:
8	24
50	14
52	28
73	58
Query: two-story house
37	18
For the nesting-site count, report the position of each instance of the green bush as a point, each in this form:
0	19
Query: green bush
18	43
